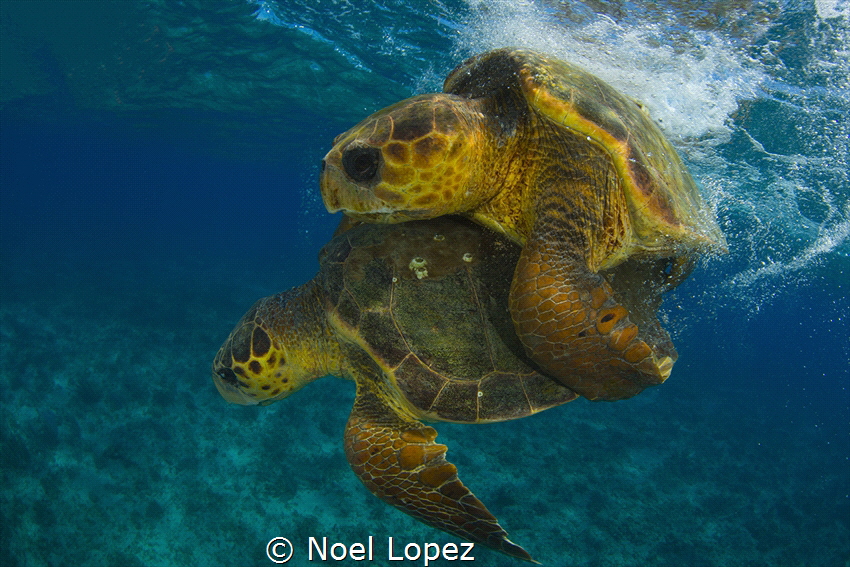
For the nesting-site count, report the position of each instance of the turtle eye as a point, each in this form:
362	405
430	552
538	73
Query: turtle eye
361	164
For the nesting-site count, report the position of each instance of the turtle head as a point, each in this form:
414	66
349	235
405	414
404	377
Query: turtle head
274	350
416	159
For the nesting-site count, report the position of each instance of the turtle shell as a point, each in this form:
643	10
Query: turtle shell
424	304
666	211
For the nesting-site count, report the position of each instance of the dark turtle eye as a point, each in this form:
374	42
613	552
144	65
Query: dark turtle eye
228	376
361	164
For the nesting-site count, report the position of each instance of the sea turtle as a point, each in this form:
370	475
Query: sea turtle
563	164
416	314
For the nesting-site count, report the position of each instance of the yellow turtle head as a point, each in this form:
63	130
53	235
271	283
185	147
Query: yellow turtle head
416	159
272	352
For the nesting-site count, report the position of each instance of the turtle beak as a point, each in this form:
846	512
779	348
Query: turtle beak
330	181
229	391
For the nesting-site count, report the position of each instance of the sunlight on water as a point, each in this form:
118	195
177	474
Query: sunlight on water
754	94
768	147
832	8
690	89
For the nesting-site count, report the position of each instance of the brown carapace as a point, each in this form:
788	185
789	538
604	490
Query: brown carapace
566	166
416	314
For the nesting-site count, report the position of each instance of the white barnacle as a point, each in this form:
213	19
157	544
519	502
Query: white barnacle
417	266
467	257
439	237
417	262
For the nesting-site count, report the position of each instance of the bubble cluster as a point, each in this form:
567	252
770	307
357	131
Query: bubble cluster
690	84
755	99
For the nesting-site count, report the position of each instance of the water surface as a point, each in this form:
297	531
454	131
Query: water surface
160	172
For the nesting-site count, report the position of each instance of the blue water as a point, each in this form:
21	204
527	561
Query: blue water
159	173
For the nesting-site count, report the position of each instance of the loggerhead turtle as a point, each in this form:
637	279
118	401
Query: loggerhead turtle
563	164
416	315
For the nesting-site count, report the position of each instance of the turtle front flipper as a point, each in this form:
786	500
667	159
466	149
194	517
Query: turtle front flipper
397	459
570	322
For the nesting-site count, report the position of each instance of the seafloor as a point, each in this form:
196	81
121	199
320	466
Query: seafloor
117	450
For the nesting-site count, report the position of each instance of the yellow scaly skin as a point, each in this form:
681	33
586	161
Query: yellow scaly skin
532	165
280	345
288	340
430	150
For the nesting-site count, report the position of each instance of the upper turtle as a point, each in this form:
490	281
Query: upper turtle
563	164
416	315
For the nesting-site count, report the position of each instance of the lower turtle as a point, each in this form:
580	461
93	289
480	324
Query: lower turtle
565	165
416	315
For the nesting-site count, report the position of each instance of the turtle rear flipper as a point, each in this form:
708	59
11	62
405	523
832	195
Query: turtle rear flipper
398	460
568	317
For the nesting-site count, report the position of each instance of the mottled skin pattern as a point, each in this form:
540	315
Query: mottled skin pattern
565	165
397	459
416	315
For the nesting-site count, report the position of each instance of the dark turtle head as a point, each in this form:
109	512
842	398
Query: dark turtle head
416	159
274	350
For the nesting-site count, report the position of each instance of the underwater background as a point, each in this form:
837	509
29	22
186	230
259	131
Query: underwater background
159	173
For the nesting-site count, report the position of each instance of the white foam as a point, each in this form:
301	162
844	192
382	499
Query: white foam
690	88
832	8
783	214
